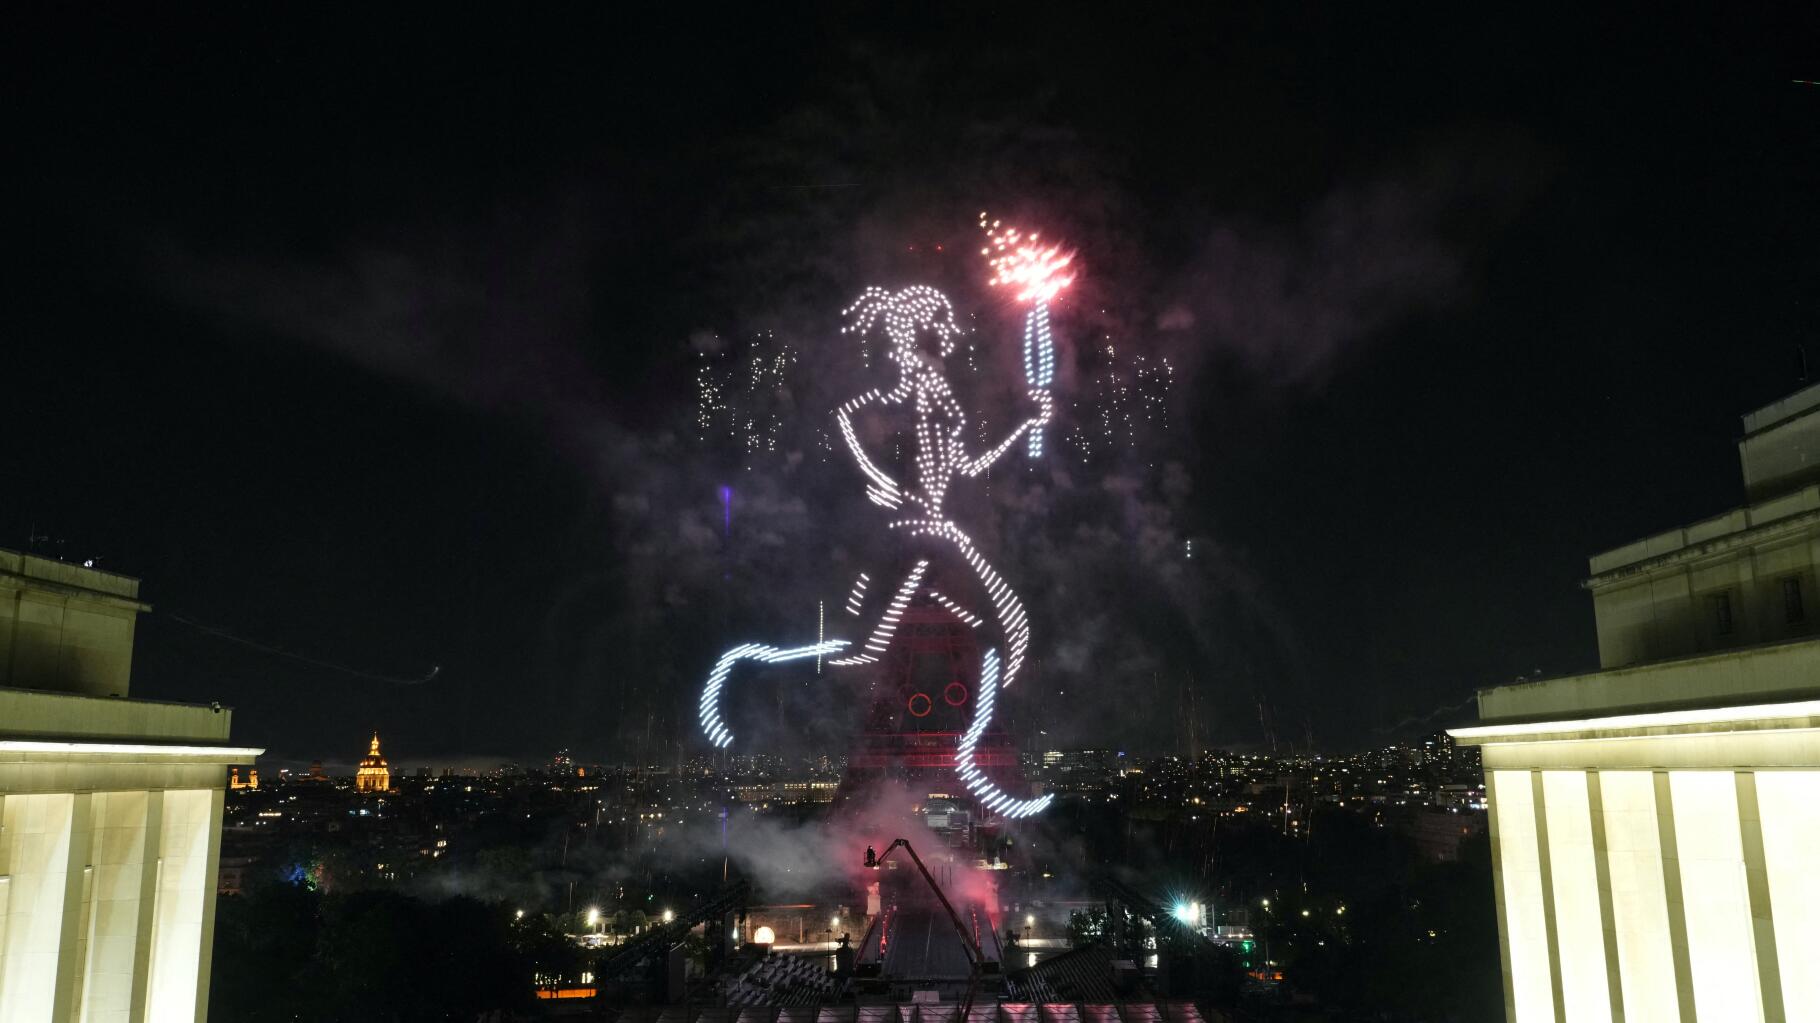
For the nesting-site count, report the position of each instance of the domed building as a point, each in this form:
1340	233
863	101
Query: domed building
373	775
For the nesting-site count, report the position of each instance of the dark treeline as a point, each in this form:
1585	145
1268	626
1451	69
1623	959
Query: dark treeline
1362	925
288	952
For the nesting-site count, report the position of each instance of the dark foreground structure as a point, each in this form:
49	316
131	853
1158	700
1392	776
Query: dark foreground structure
923	957
998	1012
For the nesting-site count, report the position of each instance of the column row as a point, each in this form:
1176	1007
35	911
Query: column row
1659	895
103	900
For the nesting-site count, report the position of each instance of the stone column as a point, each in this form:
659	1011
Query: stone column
182	897
118	854
72	933
150	861
210	890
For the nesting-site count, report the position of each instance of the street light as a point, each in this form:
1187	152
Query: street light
593	917
669	915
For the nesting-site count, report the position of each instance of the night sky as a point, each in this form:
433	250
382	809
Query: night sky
371	345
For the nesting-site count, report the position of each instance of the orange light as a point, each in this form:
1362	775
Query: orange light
547	993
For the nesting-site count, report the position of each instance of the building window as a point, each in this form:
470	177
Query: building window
1719	606
1792	611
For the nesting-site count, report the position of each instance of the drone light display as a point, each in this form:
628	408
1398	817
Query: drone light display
940	459
976	782
711	725
1037	273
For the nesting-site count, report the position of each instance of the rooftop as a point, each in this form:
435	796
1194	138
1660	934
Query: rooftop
51	716
1782	410
1771	673
51	573
1779	457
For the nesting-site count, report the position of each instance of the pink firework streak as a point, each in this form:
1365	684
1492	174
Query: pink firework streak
1037	273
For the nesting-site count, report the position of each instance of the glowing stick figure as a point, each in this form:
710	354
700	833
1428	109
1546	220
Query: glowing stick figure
940	457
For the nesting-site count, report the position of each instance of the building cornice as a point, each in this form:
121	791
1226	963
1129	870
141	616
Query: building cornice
32	583
1803	715
225	754
1706	548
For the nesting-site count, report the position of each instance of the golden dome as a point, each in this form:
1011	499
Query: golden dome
373	775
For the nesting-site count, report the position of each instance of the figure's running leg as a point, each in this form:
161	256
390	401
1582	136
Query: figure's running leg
1004	600
711	725
971	620
887	622
716	729
857	595
989	795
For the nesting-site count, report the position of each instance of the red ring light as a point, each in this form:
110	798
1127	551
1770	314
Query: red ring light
956	694
928	705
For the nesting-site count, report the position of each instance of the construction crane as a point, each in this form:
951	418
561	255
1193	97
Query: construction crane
975	958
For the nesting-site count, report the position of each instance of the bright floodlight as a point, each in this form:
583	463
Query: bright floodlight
1184	912
669	915
764	936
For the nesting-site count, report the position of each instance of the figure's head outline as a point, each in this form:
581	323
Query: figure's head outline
906	315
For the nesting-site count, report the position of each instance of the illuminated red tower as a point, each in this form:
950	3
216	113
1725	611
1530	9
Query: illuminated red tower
922	699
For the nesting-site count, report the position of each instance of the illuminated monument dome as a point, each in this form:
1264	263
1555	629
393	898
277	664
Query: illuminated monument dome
110	810
1656	824
944	589
372	775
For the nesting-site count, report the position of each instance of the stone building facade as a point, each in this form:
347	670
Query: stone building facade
1655	825
110	810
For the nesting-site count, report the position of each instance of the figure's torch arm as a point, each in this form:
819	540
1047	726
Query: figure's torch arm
1031	426
1039	361
1037	271
881	489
